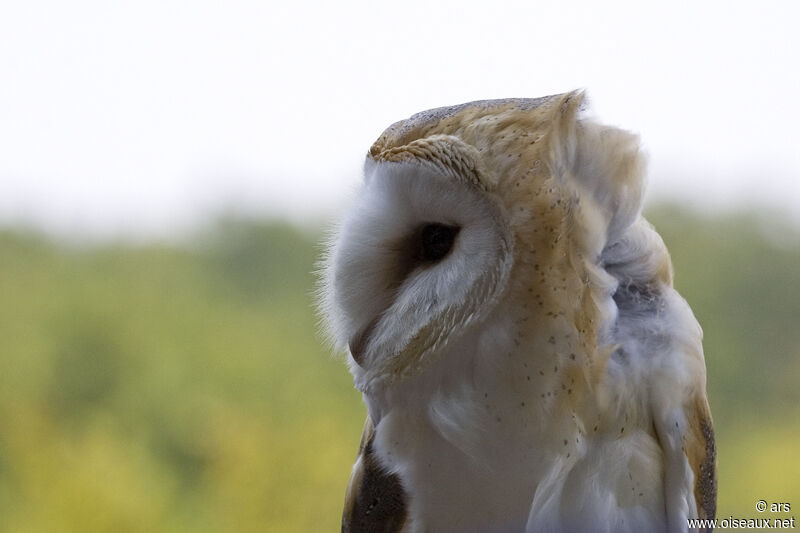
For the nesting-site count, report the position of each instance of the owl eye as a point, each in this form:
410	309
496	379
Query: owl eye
437	241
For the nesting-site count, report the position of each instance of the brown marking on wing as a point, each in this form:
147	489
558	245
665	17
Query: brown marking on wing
375	500
701	452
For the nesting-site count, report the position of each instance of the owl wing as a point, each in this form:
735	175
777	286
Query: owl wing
690	479
658	322
375	501
701	452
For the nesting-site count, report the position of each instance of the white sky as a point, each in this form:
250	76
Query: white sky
145	118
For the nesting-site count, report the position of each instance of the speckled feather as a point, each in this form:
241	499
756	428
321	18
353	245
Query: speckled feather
545	375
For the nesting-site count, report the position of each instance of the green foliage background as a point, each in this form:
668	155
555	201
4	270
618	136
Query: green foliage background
185	388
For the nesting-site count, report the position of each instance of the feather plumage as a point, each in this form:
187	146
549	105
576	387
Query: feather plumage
544	375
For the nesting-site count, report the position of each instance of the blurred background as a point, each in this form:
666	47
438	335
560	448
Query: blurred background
168	169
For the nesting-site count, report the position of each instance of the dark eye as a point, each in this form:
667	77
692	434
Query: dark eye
437	240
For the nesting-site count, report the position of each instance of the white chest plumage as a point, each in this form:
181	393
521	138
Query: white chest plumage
492	449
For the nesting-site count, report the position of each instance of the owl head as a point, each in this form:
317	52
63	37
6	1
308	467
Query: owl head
498	206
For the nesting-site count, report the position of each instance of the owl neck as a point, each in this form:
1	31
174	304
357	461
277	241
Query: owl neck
483	425
496	388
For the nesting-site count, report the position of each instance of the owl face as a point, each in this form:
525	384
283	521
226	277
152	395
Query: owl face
421	255
468	207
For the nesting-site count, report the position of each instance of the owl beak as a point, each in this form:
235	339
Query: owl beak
358	343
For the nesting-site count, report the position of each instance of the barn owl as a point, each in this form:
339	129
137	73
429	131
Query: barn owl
510	320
